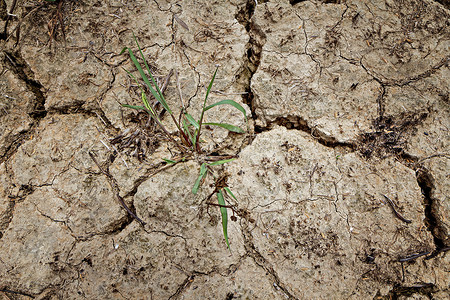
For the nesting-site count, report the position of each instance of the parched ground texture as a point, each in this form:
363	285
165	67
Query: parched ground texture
347	102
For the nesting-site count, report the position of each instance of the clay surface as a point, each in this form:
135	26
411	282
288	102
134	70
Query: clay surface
341	178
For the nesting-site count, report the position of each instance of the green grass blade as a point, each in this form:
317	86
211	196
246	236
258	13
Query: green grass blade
143	96
169	161
186	129
223	212
145	78
221	162
227	127
227	189
160	96
137	82
192	120
145	101
201	175
123	50
134	106
209	87
229	102
141	72
204	104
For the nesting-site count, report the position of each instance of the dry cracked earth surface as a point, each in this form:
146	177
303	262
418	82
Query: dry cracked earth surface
341	179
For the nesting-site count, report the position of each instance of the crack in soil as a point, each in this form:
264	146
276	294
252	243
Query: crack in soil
7	216
131	211
263	263
16	293
403	82
187	282
424	289
432	221
16	143
390	136
36	110
116	227
252	59
192	275
298	123
251	63
19	67
250	66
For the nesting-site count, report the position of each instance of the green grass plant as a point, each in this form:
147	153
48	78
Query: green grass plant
189	130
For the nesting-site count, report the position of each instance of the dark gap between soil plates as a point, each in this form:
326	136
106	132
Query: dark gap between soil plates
426	183
400	292
18	65
253	53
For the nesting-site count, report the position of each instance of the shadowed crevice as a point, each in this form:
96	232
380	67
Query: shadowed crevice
252	57
445	3
35	108
298	123
402	292
19	67
434	225
16	294
293	2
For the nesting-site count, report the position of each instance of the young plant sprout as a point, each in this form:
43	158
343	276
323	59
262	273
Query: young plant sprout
189	130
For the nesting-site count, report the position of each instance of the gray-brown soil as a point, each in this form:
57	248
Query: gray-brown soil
348	102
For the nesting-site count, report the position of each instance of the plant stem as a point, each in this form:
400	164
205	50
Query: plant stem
166	132
203	111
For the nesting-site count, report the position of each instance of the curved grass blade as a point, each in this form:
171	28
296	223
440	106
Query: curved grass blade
143	96
209	88
229	102
192	120
201	176
227	189
145	101
158	95
223	212
169	161
186	129
144	77
227	127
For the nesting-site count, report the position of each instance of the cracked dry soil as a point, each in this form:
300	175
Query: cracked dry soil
342	179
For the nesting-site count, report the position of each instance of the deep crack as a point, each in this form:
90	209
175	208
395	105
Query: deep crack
253	48
15	144
36	109
15	293
402	292
434	225
18	65
298	123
